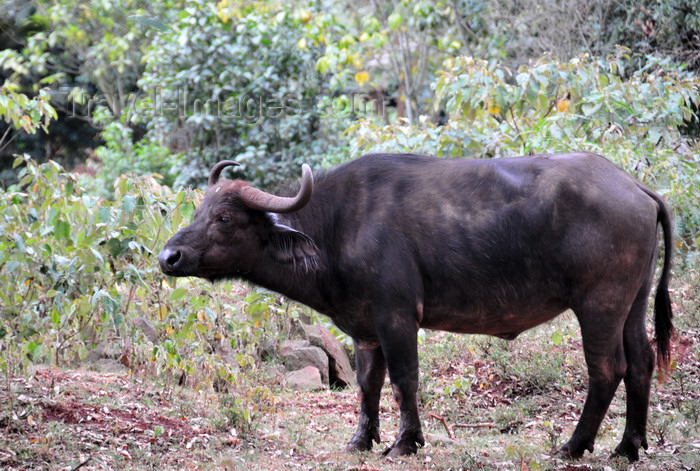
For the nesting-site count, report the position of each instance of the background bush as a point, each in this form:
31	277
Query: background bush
240	86
632	116
160	90
333	62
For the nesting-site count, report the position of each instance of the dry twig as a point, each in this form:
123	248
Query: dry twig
444	424
80	465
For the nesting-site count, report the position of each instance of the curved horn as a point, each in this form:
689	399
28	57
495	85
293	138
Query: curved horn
216	170
258	199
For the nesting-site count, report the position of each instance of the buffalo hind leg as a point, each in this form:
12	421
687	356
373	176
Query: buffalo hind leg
400	346
640	367
605	358
371	371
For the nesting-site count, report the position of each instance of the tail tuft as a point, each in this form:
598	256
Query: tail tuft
663	314
663	325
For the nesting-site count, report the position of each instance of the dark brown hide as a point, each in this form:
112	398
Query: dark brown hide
388	244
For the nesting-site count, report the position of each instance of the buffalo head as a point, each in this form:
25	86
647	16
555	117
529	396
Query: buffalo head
236	231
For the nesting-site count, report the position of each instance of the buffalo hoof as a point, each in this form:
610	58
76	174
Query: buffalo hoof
362	441
405	444
358	445
574	449
629	448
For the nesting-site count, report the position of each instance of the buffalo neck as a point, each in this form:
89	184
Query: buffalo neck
296	280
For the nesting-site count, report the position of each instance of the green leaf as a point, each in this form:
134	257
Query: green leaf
395	20
323	64
109	304
124	184
379	39
187	210
61	230
256	310
502	98
128	204
557	338
158	431
532	93
556	132
149	22
97	255
34	349
52	217
178	293
114	246
104	215
589	108
19	242
117	318
655	135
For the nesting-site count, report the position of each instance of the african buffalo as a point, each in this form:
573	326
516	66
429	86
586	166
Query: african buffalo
390	243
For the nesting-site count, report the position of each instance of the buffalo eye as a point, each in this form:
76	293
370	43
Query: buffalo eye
224	219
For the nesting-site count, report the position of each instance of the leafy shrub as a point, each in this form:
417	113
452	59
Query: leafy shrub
231	82
18	111
81	276
242	413
120	155
604	106
391	50
81	273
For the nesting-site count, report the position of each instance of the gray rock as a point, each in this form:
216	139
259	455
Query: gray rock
268	349
147	328
306	379
288	346
298	354
339	370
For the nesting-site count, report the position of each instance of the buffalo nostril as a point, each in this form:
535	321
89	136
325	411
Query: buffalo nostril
169	257
174	257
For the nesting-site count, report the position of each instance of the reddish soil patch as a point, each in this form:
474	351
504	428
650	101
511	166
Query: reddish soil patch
131	417
103	417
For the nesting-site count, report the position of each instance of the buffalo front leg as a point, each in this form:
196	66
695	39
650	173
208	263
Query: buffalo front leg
371	371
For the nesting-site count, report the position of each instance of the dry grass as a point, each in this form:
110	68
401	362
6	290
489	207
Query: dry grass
486	404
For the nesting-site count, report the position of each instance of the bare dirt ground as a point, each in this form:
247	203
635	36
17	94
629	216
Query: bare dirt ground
485	404
96	420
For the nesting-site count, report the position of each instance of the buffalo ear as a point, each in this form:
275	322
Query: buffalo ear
292	246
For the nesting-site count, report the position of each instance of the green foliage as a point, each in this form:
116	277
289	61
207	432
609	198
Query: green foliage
253	80
99	43
631	116
121	155
669	27
18	110
82	277
397	47
231	82
242	414
23	113
80	273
